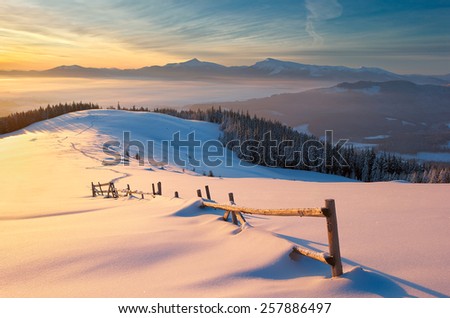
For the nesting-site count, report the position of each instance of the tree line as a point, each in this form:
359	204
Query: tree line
361	164
23	119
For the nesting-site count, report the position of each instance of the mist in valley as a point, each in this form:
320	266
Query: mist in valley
20	94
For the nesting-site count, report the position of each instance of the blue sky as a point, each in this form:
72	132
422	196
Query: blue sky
402	36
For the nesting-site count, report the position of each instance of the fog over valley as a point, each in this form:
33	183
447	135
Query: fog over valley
24	93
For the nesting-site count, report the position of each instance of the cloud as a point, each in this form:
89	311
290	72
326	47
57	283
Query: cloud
320	10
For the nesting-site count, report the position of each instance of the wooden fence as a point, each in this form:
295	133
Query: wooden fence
333	258
110	190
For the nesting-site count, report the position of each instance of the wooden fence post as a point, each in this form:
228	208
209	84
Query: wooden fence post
153	189
159	188
100	186
333	238
231	198
199	193
234	218
93	189
109	190
114	192
227	213
176	194
240	218
208	194
233	214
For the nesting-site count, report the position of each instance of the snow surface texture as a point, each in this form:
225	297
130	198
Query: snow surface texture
58	241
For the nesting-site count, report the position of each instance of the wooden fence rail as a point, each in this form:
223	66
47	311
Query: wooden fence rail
329	212
316	212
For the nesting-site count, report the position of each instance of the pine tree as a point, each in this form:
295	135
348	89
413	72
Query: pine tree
444	176
433	176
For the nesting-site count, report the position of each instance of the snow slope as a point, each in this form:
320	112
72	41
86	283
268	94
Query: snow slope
58	241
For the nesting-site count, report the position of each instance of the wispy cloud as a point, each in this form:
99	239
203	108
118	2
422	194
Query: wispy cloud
320	10
134	33
153	30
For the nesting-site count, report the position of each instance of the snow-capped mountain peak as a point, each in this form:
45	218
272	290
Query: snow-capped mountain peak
195	63
69	67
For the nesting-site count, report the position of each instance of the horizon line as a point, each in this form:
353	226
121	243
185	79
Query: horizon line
205	61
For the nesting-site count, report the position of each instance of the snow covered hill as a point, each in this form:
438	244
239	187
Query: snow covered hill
58	241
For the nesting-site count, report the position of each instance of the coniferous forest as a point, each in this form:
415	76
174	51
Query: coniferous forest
264	142
21	120
362	164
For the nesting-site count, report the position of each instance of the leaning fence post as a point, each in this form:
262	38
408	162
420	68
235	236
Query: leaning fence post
333	238
240	218
100	187
227	213
236	216
208	194
153	189
93	189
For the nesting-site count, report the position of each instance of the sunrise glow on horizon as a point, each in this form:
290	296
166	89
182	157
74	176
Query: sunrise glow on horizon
405	36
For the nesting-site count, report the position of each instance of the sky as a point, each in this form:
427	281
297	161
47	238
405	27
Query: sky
401	36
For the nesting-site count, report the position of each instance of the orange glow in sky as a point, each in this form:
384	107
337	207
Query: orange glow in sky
42	34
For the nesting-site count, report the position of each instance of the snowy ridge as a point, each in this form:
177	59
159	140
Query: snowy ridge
274	67
195	63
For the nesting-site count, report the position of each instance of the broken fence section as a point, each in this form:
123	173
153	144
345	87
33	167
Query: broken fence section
333	258
104	189
109	190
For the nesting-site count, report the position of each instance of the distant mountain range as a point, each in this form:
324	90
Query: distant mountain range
397	116
268	68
